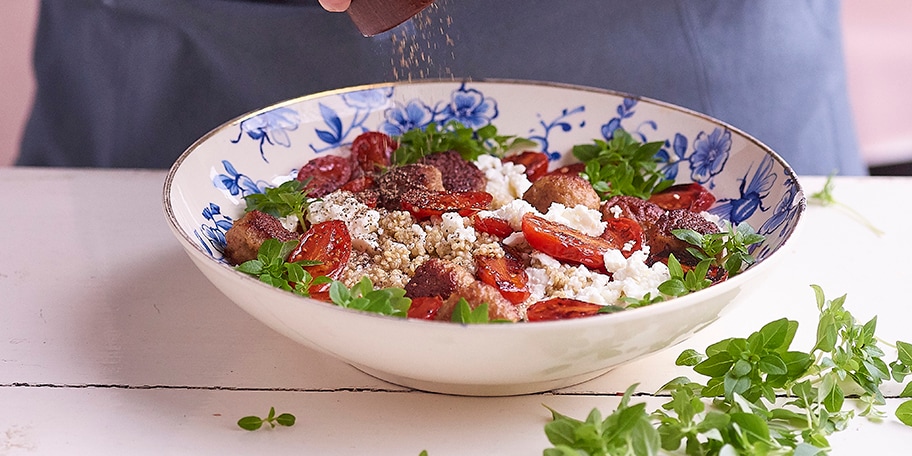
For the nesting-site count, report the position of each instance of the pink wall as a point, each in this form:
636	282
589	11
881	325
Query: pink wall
878	50
17	24
878	47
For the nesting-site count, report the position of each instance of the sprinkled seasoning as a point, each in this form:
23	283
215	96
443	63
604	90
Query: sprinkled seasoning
422	47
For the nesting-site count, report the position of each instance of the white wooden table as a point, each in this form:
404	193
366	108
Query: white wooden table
111	342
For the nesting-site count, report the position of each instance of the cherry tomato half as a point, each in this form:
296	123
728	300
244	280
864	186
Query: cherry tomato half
492	225
372	150
506	274
328	243
565	243
693	197
621	231
425	307
424	204
561	309
325	174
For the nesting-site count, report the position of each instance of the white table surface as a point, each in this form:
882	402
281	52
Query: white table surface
111	342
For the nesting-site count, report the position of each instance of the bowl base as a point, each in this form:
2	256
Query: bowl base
462	389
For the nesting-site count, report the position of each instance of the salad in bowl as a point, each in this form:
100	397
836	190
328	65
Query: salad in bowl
491	237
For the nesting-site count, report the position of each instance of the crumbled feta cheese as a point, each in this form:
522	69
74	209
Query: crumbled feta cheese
512	213
632	277
362	222
453	226
505	181
289	222
580	218
616	211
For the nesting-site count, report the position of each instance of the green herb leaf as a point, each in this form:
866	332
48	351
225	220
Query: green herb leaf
747	379
464	314
285	419
825	197
252	423
904	413
728	249
362	296
271	267
289	198
622	166
904	350
417	143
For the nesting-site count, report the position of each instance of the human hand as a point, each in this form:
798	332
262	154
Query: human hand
335	5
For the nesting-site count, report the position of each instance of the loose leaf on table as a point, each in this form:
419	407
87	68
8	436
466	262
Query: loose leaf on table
252	423
740	408
825	197
627	430
904	413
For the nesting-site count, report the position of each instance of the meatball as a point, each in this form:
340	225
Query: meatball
459	175
436	277
643	212
477	293
452	282
567	189
662	242
246	235
406	178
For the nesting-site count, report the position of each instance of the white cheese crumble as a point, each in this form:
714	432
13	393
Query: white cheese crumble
630	277
454	228
579	217
616	211
505	181
362	221
512	213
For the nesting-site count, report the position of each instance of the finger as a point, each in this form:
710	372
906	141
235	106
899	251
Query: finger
335	5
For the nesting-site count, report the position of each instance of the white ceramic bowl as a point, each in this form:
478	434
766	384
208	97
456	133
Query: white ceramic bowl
204	192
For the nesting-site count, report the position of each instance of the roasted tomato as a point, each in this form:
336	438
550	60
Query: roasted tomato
327	242
425	308
506	274
575	168
693	197
325	174
424	204
359	184
621	231
372	151
565	243
561	309
492	225
536	163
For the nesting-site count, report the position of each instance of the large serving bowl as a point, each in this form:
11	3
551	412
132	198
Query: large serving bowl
204	193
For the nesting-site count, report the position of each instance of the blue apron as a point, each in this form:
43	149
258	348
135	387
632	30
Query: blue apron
132	83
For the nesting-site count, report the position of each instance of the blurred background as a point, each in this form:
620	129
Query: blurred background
878	47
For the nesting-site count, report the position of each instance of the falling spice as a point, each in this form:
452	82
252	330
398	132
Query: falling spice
422	47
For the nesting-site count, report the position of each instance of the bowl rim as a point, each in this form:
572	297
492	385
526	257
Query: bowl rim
657	309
